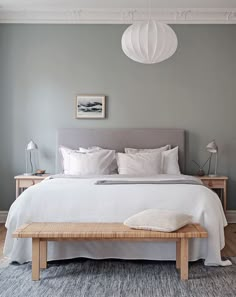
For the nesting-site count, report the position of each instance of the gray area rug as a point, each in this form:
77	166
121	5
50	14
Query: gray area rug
118	278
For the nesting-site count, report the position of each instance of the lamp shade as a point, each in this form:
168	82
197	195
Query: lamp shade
149	42
31	146
212	147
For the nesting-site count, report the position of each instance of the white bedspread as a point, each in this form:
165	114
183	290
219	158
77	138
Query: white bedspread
72	199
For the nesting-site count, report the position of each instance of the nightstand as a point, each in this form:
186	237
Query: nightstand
26	181
219	185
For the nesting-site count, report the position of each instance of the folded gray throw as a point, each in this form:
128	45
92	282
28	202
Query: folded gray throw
148	182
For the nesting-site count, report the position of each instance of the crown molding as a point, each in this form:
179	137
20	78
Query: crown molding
118	16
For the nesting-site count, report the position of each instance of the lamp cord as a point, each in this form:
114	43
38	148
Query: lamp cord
149	10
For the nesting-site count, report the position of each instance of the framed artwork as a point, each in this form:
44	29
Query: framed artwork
90	107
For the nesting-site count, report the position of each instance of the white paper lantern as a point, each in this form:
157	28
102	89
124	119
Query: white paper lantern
149	42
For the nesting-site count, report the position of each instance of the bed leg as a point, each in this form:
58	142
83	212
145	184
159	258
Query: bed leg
35	259
184	258
43	254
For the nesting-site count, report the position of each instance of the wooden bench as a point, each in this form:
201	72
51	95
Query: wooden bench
41	233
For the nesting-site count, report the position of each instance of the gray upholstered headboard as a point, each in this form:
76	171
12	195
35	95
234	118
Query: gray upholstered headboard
120	138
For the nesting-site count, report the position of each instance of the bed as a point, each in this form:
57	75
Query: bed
83	199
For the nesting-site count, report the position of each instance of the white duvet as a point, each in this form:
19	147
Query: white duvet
73	199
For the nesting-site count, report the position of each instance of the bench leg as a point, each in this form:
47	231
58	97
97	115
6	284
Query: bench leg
184	258
43	254
178	256
35	259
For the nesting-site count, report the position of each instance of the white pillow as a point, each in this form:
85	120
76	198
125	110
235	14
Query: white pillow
139	164
158	220
65	152
95	163
134	151
170	161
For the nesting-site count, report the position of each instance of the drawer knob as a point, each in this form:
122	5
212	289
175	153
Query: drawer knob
210	184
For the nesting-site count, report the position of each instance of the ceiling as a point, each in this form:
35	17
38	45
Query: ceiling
117	11
70	4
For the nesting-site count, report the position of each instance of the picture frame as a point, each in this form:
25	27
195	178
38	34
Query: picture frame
90	107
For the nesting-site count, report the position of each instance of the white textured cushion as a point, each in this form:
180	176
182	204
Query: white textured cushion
170	161
158	220
139	164
94	163
156	150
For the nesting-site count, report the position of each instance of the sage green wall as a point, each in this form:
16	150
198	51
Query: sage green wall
42	67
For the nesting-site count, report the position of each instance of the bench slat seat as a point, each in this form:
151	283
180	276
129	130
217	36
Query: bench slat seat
43	232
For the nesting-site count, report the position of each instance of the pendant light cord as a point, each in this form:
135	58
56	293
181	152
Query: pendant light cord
149	10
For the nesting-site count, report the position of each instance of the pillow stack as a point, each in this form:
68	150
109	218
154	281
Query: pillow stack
91	161
149	161
99	161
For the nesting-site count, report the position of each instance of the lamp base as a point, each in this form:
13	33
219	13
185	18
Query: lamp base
212	175
28	174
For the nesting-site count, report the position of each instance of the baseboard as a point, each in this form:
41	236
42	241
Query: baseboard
3	216
231	216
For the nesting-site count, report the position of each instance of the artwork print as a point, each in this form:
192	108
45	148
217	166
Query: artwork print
90	106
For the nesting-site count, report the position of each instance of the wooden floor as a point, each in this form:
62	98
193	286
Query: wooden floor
228	251
230	241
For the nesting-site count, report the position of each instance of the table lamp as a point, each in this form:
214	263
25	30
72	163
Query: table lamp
31	158
212	148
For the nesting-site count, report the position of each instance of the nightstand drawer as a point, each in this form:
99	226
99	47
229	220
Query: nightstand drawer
28	183
213	183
